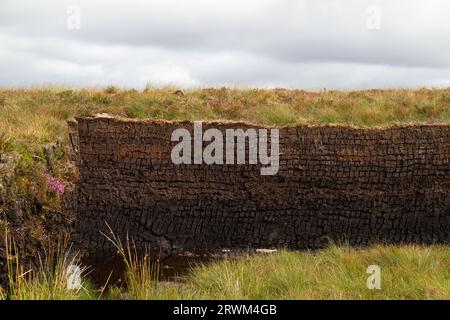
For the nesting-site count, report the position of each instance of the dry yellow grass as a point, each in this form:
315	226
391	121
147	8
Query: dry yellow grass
33	116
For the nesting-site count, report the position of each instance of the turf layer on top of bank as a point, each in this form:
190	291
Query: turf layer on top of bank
30	116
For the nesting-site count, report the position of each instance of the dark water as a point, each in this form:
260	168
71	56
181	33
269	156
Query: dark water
174	267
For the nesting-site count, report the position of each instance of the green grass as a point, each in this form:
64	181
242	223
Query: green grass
141	274
407	272
49	281
32	117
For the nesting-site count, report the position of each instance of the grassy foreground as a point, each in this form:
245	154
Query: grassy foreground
407	272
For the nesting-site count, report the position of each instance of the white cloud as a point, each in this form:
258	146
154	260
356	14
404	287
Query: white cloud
285	43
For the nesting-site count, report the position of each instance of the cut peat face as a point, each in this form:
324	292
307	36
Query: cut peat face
334	183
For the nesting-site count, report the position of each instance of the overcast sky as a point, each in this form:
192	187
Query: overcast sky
347	44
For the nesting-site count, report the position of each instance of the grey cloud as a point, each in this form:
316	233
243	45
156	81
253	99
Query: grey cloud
290	43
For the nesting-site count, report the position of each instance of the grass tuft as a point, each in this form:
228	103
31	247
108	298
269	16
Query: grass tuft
49	281
141	274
